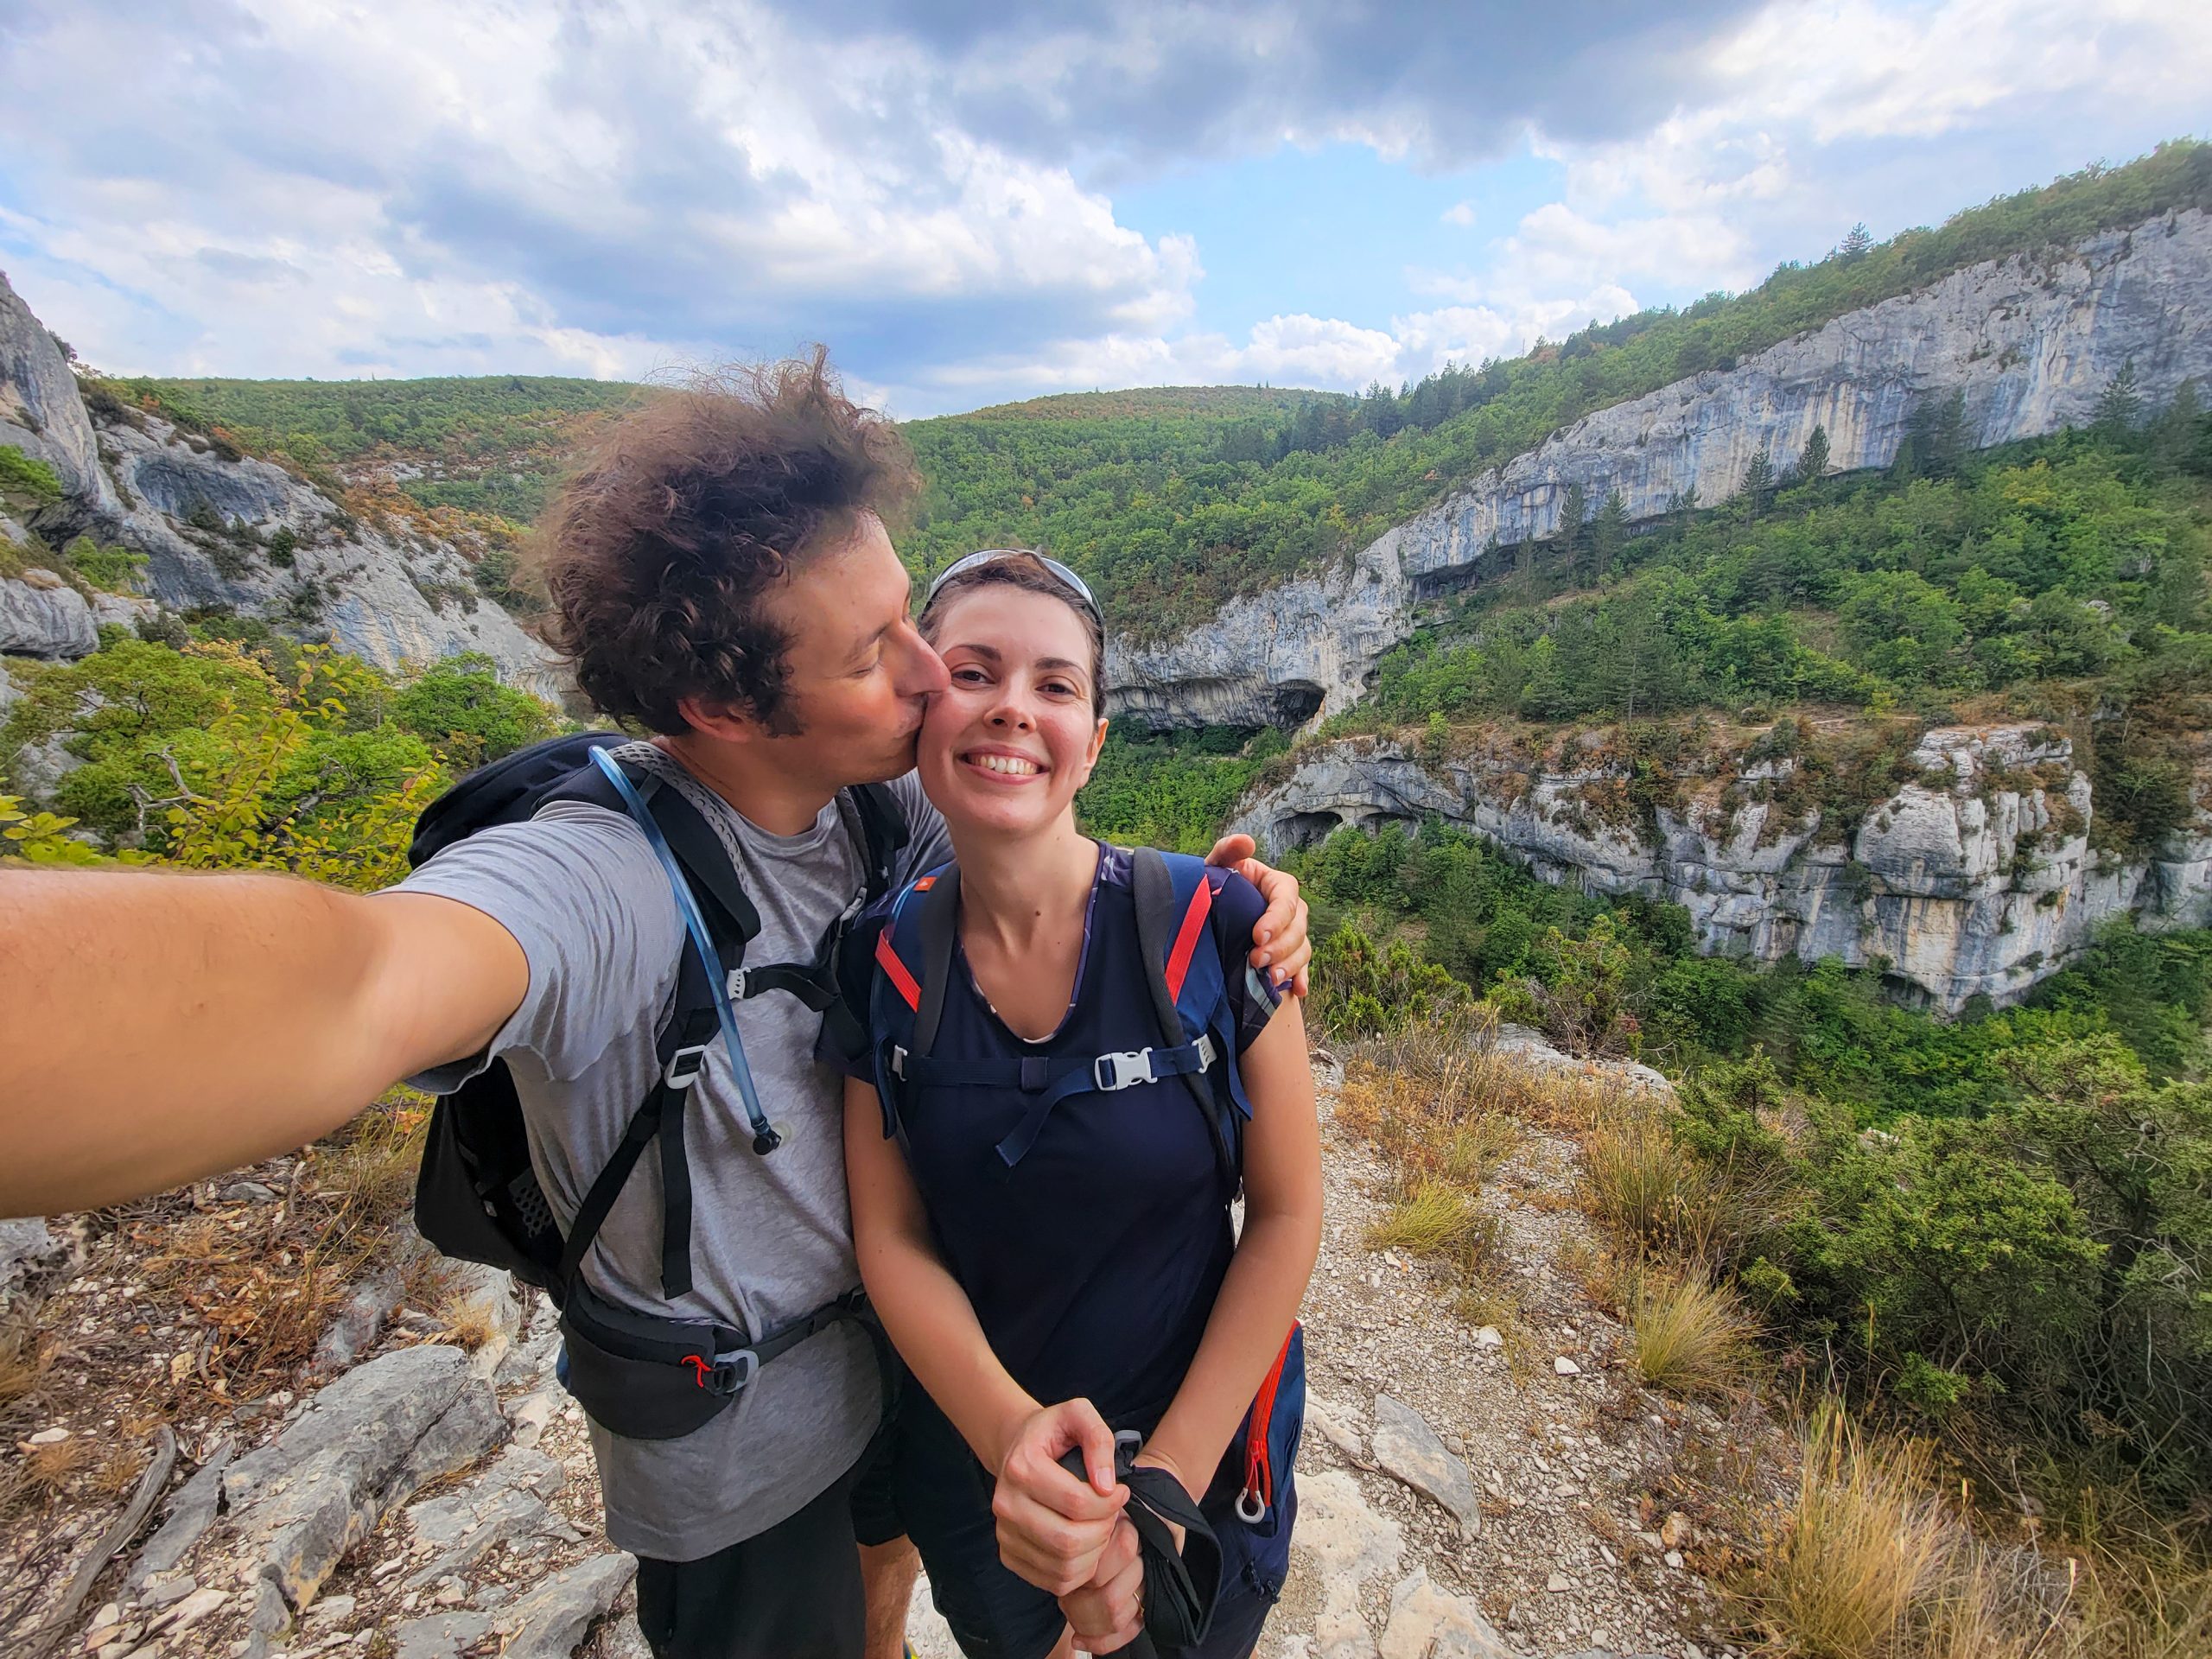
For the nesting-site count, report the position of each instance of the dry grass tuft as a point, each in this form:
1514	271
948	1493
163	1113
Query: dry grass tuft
1690	1337
1869	1563
465	1320
1651	1191
23	1358
1863	1542
49	1469
116	1471
368	1176
1435	1218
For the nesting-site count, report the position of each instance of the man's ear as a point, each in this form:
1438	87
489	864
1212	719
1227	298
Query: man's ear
723	721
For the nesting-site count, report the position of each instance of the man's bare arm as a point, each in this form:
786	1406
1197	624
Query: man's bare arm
158	1027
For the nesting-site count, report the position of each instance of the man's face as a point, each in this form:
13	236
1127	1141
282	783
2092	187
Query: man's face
858	674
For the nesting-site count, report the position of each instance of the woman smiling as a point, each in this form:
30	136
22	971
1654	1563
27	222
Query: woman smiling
1074	1075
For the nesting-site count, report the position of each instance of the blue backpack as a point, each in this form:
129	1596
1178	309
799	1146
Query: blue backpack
1193	1019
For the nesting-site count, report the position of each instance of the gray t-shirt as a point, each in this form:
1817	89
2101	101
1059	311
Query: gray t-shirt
772	1237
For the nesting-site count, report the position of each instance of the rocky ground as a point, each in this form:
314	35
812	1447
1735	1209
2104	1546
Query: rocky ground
1480	1477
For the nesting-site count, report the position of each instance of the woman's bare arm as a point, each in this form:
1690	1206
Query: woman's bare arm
1274	1257
1052	1527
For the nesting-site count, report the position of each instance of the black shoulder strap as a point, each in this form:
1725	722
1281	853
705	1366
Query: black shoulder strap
883	834
680	1054
706	864
938	919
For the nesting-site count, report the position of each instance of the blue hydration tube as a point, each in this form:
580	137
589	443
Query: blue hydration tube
766	1140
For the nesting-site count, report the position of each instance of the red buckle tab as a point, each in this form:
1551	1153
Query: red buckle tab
1252	1503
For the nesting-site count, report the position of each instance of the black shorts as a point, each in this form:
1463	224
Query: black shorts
790	1593
876	1519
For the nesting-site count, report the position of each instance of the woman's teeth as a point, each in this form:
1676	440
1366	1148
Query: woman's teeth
1006	763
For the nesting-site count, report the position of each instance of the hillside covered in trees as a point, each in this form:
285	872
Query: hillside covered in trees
1174	500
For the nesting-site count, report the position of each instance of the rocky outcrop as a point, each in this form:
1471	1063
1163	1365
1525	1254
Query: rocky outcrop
41	615
1974	879
233	534
2029	342
40	412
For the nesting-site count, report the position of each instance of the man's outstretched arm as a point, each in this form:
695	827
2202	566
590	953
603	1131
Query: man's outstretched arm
158	1027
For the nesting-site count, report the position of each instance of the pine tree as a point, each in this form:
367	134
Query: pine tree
1608	535
1855	243
1573	513
1758	483
1813	458
2175	435
2120	405
1937	435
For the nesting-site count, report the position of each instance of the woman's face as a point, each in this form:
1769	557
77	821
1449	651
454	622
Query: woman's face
1007	743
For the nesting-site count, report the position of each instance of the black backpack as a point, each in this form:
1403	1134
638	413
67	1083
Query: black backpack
477	1197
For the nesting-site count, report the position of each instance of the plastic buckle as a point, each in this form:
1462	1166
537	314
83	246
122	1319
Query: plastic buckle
899	1063
735	985
1121	1070
733	1371
685	1066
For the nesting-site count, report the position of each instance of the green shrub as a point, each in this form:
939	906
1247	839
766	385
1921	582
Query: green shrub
115	569
1362	989
27	479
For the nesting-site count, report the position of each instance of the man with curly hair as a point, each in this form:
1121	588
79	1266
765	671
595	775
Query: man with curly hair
721	578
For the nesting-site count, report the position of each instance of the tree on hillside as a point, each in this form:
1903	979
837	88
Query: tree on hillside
1857	241
2120	405
1608	535
1936	438
1573	514
1758	484
2179	430
1813	458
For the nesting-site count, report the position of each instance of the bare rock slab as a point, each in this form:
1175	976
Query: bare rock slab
1408	1448
553	1620
1427	1622
369	1440
441	1635
191	1511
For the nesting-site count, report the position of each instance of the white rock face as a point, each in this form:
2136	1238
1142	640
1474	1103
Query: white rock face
43	616
40	412
1976	878
2030	342
388	597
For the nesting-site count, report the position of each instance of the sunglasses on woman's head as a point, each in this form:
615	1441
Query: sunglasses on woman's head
1076	586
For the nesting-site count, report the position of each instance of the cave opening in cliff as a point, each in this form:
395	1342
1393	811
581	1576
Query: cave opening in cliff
1305	829
1297	701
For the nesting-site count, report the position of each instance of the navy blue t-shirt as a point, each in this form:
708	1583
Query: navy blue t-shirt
1093	1263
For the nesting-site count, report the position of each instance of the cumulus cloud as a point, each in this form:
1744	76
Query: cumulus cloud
614	187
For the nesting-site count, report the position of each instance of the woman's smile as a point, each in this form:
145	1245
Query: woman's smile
1004	765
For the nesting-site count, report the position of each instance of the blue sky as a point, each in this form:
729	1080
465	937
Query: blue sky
975	202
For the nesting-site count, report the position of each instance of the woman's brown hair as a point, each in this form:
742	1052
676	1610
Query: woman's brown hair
657	554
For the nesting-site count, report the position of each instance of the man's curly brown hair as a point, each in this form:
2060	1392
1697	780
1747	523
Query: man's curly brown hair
657	554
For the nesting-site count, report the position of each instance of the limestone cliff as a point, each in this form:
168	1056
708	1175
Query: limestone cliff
2029	341
1976	877
239	535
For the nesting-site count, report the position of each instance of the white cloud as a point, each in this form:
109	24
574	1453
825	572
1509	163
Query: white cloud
309	187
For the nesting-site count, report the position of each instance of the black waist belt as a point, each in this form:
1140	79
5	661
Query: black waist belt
1180	1588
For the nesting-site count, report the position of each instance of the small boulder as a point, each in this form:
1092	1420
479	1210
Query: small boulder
1408	1449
